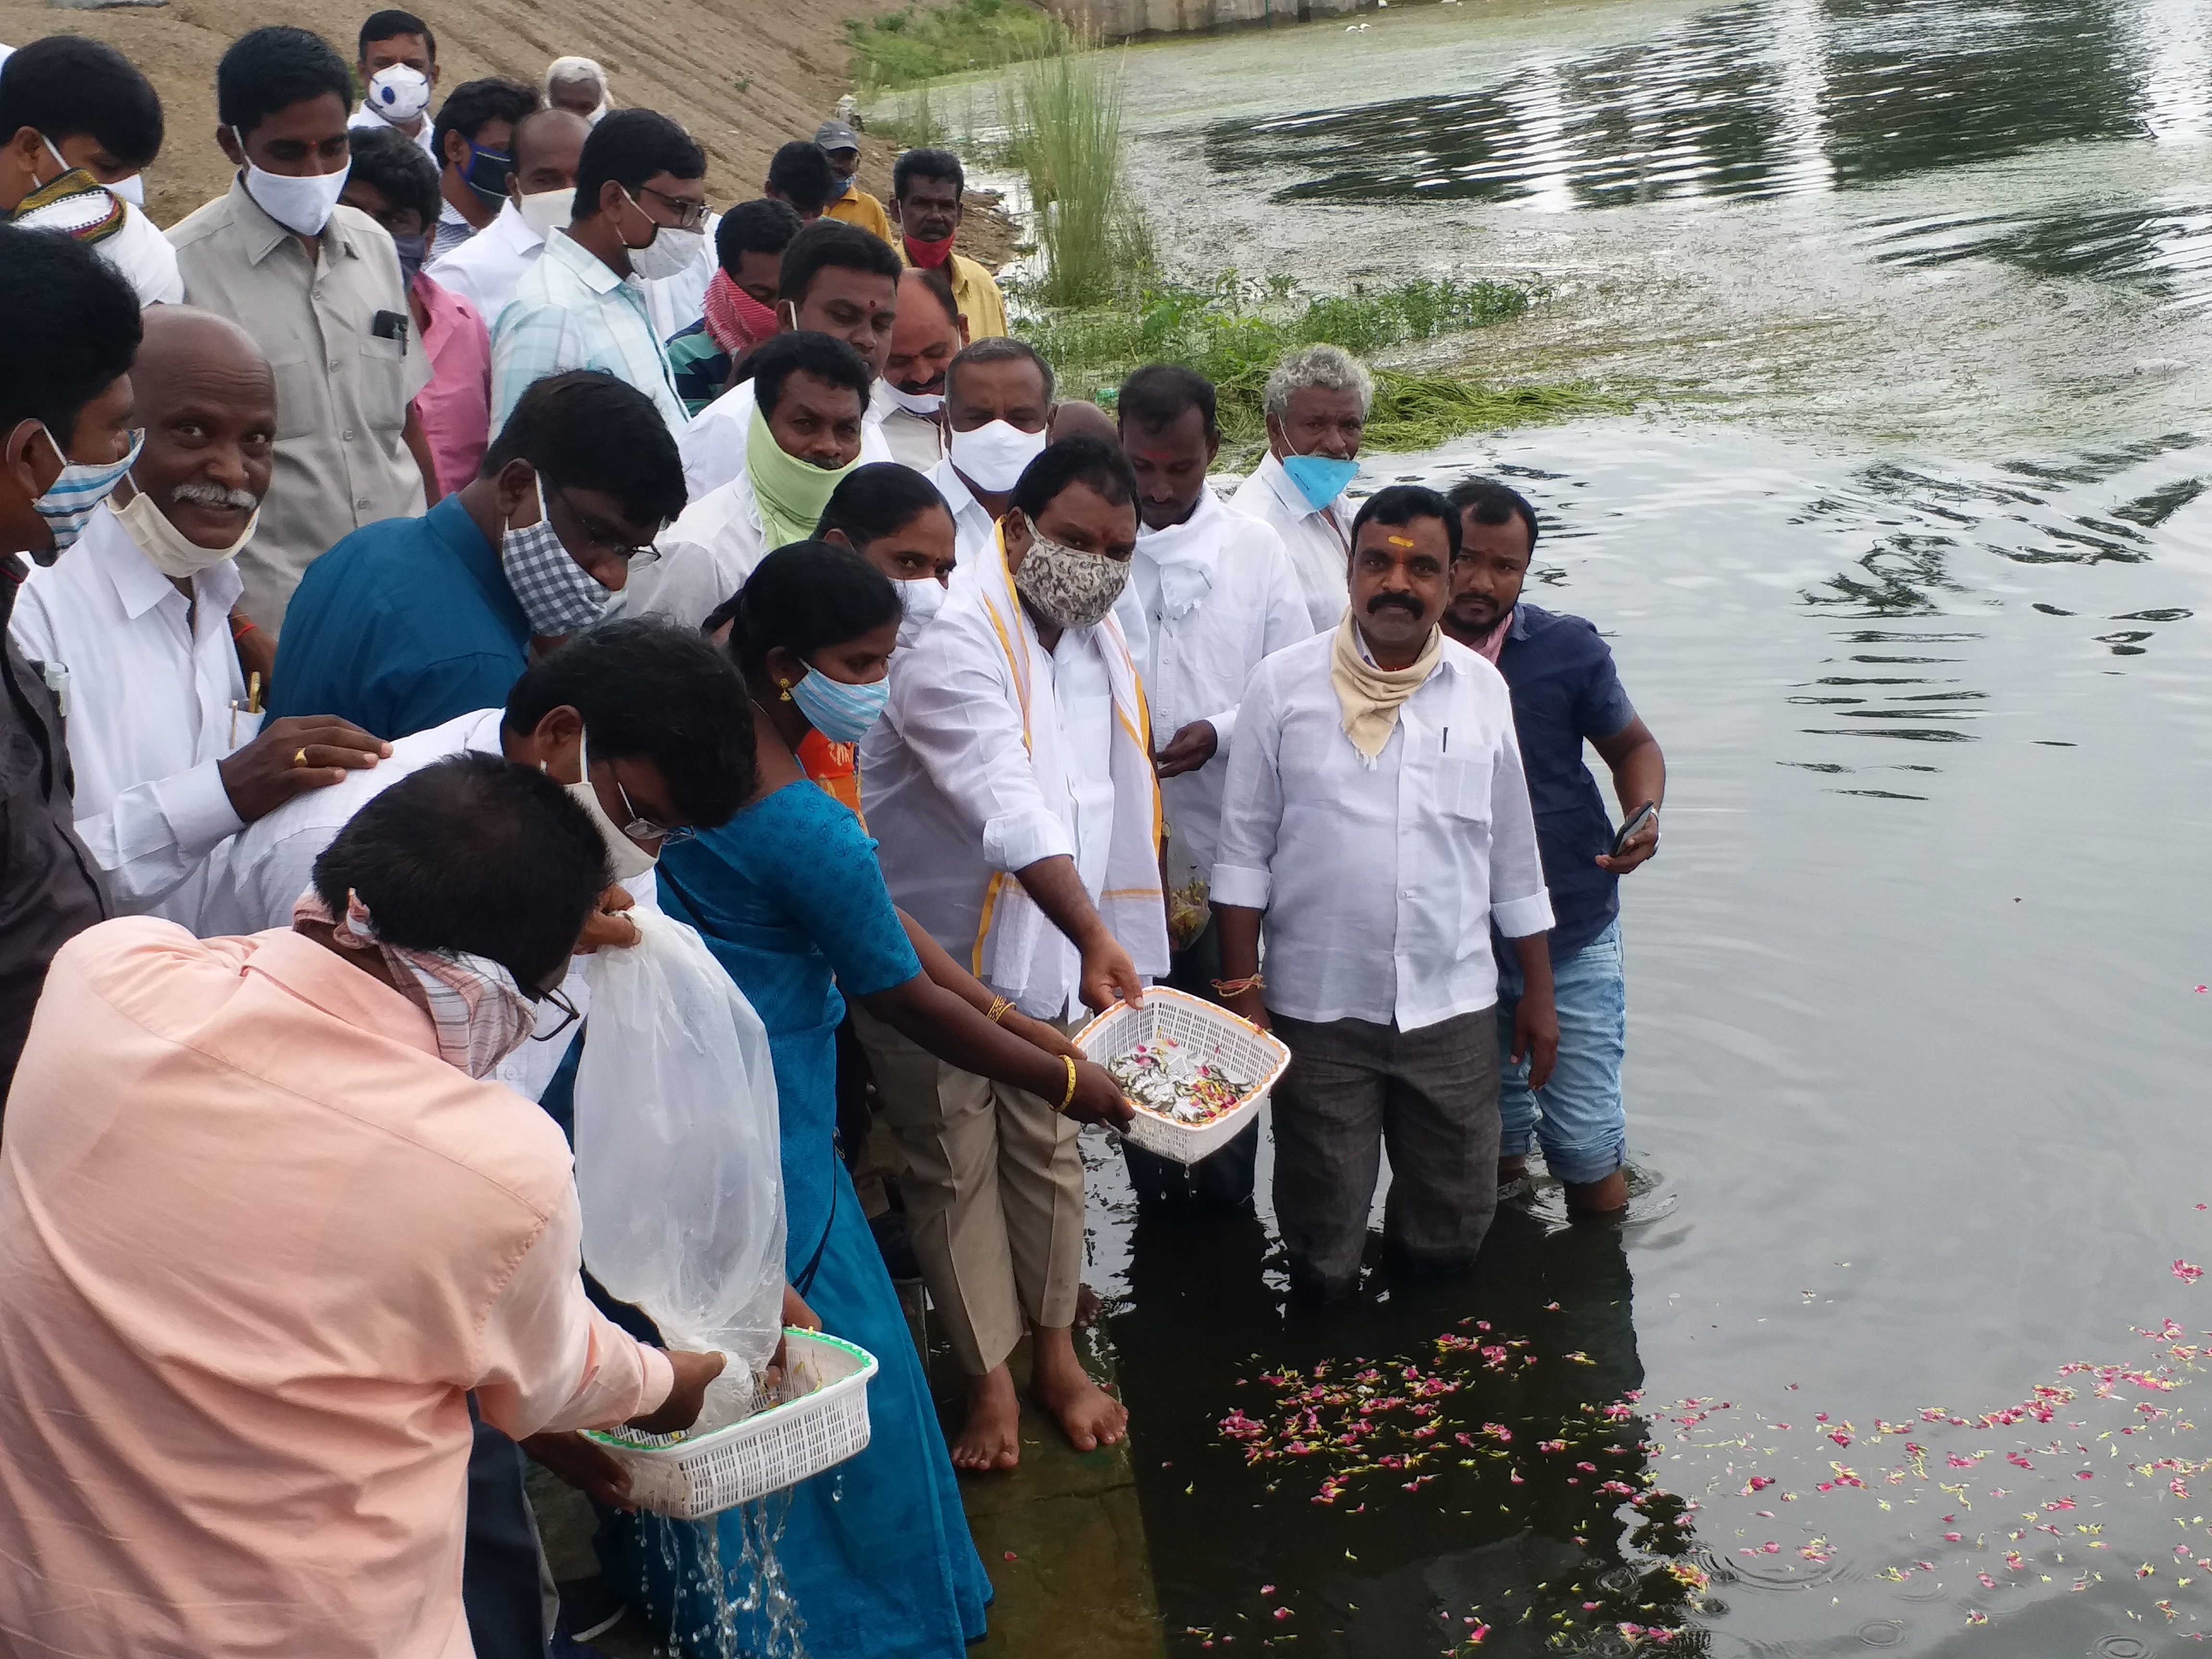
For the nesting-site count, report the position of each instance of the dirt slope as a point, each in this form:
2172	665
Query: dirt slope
745	76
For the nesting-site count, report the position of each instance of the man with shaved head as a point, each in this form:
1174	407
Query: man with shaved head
162	730
910	394
483	271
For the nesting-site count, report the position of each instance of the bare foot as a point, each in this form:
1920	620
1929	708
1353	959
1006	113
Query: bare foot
1598	1200
1511	1170
1087	1306
991	1438
1088	1415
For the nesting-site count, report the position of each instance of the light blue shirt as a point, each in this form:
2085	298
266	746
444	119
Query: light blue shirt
571	311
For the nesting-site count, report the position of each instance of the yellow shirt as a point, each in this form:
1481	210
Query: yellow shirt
976	291
857	207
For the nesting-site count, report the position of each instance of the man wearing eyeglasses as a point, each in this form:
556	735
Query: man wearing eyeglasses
407	623
639	213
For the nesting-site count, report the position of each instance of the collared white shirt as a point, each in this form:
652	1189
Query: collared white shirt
272	862
364	116
153	680
713	442
973	528
705	556
914	441
947	786
1380	885
572	311
1213	596
486	269
1318	540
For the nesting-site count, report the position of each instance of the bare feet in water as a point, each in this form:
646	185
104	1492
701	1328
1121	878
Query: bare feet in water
991	1438
1087	1306
1088	1415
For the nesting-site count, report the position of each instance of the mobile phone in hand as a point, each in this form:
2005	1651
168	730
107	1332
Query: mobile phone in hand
1642	815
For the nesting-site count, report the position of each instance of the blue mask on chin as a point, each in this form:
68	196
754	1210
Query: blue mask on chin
839	710
1320	478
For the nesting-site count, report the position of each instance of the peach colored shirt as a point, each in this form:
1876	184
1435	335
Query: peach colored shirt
259	1243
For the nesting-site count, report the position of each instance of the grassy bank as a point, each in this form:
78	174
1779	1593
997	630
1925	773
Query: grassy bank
919	44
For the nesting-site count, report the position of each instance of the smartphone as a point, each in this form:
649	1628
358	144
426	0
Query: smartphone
1642	815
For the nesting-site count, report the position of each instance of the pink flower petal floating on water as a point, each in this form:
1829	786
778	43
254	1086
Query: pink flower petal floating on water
2187	1272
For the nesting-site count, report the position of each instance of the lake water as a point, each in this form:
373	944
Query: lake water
1905	555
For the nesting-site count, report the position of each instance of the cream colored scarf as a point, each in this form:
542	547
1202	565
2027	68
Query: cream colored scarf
1369	695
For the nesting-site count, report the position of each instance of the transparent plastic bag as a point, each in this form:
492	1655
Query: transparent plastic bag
678	1154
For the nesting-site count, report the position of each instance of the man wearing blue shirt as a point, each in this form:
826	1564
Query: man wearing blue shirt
408	622
1565	693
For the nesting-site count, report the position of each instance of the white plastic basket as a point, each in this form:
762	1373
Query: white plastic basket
691	1478
1240	1047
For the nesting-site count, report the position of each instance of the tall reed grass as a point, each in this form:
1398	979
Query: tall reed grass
1063	116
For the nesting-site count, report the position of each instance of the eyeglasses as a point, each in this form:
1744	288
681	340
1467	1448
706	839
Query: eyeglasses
641	828
689	216
600	536
569	1012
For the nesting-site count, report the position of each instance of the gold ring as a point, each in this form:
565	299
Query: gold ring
299	757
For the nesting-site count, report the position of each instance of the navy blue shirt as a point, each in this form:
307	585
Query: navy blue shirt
402	626
1564	689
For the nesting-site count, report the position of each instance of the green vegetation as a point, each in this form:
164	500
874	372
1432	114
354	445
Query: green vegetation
905	48
1236	331
1065	117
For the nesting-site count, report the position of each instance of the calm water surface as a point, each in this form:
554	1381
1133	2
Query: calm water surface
1916	600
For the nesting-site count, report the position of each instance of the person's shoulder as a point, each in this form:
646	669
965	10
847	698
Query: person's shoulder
1473	666
975	270
1298	662
1560	635
436	296
208	219
129	949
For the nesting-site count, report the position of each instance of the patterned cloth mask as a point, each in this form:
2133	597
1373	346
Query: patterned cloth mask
558	595
1073	588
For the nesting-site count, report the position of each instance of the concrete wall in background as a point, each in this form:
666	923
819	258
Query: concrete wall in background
1120	19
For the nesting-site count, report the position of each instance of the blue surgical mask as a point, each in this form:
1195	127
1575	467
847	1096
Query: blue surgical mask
840	712
1320	478
72	499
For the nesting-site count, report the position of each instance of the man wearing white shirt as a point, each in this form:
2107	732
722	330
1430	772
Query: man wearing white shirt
541	194
1377	818
833	280
1316	404
1213	594
810	397
137	626
997	407
1012	792
910	395
397	62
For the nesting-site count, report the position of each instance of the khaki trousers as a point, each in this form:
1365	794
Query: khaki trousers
993	1194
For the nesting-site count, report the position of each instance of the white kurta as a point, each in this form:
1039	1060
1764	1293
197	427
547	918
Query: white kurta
1318	541
151	681
975	532
705	556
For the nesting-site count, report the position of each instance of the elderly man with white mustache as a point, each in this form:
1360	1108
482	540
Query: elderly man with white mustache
136	630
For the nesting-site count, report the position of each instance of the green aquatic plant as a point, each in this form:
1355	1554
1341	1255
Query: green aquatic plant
908	47
1064	112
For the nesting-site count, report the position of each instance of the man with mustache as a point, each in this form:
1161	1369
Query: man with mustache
169	751
910	394
1376	818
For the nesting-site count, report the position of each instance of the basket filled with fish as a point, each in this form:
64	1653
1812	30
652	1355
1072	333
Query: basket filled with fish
1196	1074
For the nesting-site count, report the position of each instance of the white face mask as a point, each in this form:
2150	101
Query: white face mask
168	548
303	206
921	599
399	92
915	403
670	253
628	859
131	189
992	457
547	211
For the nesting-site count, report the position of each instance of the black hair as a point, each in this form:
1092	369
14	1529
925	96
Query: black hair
476	853
1399	504
941	290
384	25
1155	396
649	689
926	164
1492	502
828	242
65	85
474	104
630	146
394	164
777	358
998	349
761	227
806	596
272	69
877	499
77	325
588	430
1079	459
801	174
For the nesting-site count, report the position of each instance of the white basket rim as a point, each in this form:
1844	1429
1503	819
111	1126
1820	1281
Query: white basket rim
746	1427
1276	1048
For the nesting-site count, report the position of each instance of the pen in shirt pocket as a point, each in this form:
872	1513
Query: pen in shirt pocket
253	704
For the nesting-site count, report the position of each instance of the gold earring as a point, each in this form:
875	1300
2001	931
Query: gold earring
785	684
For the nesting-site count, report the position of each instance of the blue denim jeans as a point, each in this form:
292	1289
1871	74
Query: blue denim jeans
1577	1119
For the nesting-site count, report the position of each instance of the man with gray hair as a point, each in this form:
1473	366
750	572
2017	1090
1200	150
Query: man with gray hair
1316	404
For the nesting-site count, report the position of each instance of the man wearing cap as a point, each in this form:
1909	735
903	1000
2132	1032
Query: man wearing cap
848	201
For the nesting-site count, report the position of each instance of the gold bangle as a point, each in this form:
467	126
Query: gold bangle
1069	1099
1000	1007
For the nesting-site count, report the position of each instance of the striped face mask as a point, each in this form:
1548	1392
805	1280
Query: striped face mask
72	499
